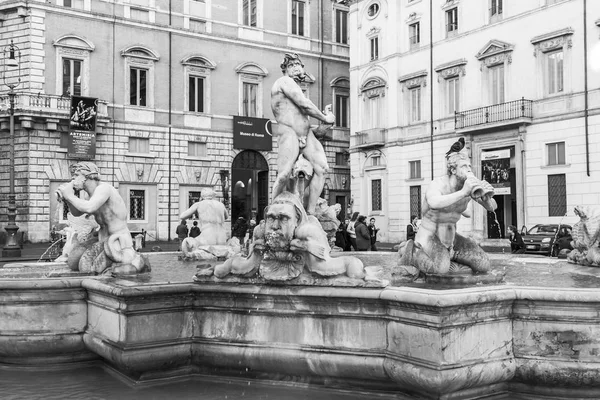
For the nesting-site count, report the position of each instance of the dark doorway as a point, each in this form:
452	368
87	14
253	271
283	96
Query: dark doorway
249	186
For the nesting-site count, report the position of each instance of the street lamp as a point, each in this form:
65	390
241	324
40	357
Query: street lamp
12	60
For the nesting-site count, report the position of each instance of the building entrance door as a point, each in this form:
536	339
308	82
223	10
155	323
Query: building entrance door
250	185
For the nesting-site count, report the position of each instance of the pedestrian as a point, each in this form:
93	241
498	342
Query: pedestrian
373	233
340	236
363	239
195	231
412	228
350	230
239	229
516	241
181	232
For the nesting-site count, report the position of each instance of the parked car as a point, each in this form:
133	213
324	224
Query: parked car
541	238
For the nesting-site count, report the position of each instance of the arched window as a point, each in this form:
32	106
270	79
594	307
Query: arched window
139	73
73	65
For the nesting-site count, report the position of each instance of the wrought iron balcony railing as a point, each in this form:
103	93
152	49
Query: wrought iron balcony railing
513	110
370	138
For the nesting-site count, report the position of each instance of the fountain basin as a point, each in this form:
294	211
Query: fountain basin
505	341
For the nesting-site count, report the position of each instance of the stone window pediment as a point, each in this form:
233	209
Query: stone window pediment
341	83
199	62
449	4
140	52
452	69
416	79
74	42
249	68
495	52
413	17
374	87
552	41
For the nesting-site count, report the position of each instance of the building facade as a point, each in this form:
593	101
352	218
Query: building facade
169	78
519	80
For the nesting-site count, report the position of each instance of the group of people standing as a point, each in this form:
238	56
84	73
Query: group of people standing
355	234
182	231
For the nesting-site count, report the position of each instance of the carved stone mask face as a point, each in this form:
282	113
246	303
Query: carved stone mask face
282	221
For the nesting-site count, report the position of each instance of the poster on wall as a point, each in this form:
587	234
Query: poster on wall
495	169
252	133
82	128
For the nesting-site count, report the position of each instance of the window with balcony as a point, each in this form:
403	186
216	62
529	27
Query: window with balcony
451	21
555	72
373	94
249	12
139	145
376	195
341	26
298	17
374	44
137	205
452	95
71	78
72	65
415	169
496	75
374	109
414	34
557	195
555	153
415	201
197	149
414	105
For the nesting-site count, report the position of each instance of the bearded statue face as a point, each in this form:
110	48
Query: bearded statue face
281	222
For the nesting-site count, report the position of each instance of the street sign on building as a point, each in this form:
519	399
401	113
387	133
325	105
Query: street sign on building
82	128
252	133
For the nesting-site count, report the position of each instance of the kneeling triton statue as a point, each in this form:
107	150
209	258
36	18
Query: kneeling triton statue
437	247
114	247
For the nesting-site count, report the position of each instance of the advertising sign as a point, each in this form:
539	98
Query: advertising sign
252	133
495	169
82	128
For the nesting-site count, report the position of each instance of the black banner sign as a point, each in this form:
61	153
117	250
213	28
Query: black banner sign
252	133
82	128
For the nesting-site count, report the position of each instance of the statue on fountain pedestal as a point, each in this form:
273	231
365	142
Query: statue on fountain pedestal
437	248
293	110
114	247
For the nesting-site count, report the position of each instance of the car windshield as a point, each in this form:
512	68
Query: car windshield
542	230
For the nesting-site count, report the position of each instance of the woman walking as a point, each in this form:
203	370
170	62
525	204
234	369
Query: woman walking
350	230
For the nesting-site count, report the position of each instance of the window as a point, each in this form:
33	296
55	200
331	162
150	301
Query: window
298	17
373	10
376	194
193	198
497	84
341	159
249	12
555	72
415	104
415	201
496	8
341	111
556	153
197	25
137	86
374	48
414	33
249	99
137	200
71	77
557	195
140	15
341	26
375	161
139	145
196	94
453	94
197	149
415	169
374	112
452	21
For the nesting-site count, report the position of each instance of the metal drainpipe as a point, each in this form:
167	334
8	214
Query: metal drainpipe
431	80
322	95
114	24
585	82
170	166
